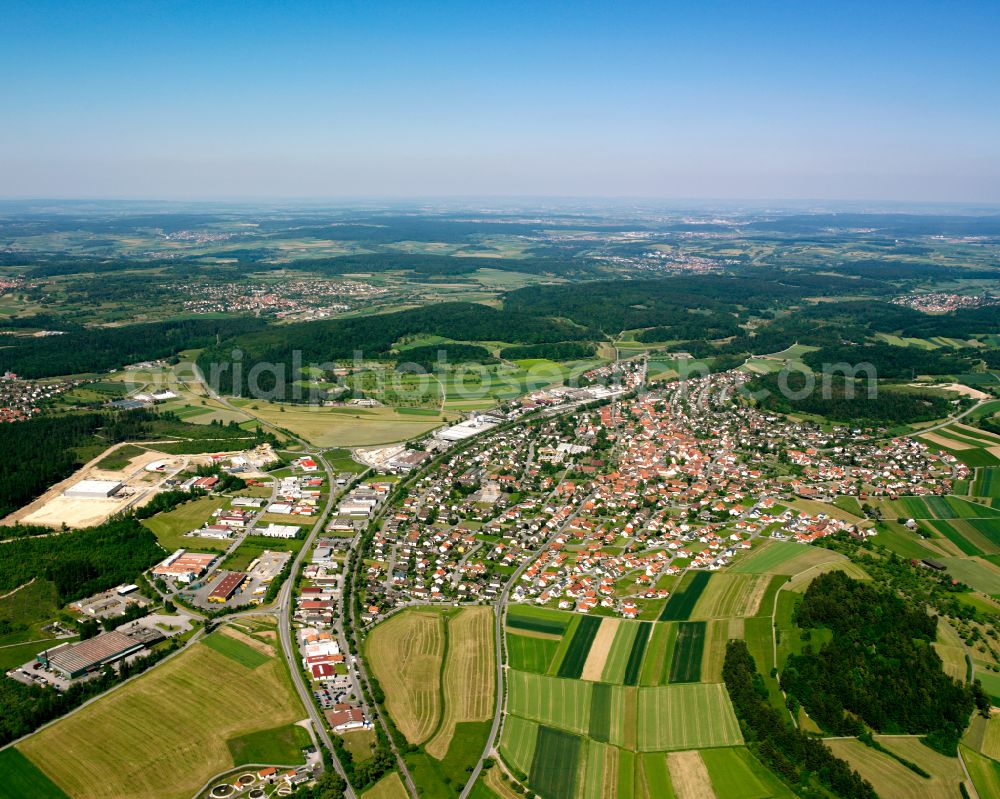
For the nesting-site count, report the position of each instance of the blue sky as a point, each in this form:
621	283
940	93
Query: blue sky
886	100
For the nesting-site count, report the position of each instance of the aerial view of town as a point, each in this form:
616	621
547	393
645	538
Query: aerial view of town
407	401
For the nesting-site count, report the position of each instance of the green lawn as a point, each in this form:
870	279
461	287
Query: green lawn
169	528
736	774
21	779
236	650
281	746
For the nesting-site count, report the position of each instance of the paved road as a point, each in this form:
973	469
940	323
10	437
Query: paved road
284	605
290	648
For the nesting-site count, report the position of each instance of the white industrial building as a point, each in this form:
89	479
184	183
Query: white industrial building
93	489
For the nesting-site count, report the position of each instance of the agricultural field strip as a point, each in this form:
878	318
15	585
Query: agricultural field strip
469	675
406	653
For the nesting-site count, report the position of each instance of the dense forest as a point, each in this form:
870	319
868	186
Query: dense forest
786	750
890	361
277	348
560	351
877	634
846	400
83	350
81	562
437	265
431	356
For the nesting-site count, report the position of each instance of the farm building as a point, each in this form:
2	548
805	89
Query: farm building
93	489
227	586
76	660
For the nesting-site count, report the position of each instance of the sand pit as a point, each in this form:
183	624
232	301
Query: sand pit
52	509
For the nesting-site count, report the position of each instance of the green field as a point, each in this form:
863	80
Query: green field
530	652
21	779
517	743
987	483
975	572
767	557
579	647
601	699
659	653
636	653
688	651
903	542
937	507
985	772
737	774
26	610
281	746
554	767
169	527
183	711
621	650
682	602
550	700
656	775
235	650
539	620
686	716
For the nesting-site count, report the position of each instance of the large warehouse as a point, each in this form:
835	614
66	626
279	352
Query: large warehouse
227	586
93	489
75	660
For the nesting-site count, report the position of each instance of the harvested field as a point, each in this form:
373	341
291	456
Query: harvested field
624	714
991	737
389	787
714	654
951	650
942	441
689	776
469	675
893	780
601	647
405	653
83	753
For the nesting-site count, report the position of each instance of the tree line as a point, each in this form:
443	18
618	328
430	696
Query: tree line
798	758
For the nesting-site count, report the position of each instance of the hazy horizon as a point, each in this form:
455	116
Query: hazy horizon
820	103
